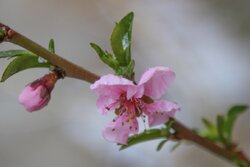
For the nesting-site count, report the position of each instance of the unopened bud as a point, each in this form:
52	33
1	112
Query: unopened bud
36	95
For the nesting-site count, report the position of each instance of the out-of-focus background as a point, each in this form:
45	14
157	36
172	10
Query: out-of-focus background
207	44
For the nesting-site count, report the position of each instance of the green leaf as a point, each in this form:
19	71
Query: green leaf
147	135
209	125
51	46
21	63
121	39
225	123
211	132
232	115
176	146
24	60
129	72
221	129
169	124
161	144
15	53
126	71
240	163
106	57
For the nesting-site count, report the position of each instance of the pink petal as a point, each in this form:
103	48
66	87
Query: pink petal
136	91
160	111
109	88
34	99
106	104
112	86
119	129
156	80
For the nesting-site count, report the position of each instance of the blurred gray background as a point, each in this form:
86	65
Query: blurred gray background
207	43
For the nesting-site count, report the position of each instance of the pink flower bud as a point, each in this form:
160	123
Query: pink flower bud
36	95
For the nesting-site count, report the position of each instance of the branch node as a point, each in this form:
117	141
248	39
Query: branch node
6	33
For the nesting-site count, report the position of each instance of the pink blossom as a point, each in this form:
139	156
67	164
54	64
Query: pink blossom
36	95
131	101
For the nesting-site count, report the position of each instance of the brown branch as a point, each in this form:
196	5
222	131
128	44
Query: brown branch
71	70
185	133
75	71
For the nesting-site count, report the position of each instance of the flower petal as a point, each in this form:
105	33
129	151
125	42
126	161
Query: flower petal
119	129
156	80
112	86
135	91
106	104
160	111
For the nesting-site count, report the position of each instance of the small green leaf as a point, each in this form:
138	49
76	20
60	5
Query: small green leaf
232	115
121	61
21	63
240	163
130	70
211	132
126	71
221	129
209	125
225	123
121	39
161	144
147	135
15	53
51	46
169	124
175	146
106	57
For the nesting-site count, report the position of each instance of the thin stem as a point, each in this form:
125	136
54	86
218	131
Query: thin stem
75	71
71	70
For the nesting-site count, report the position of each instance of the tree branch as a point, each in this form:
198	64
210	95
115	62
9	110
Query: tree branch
71	70
74	71
185	133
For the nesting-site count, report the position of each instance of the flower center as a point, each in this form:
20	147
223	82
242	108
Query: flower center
133	107
129	109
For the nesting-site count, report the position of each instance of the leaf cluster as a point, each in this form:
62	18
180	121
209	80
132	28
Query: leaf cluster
150	135
120	61
23	60
222	130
